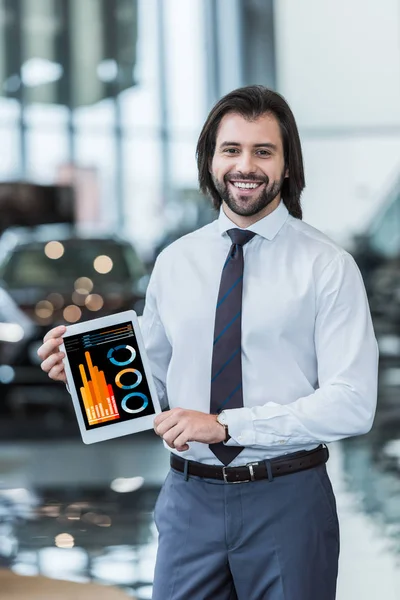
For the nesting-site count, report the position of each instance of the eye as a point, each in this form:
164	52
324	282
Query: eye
264	152
231	150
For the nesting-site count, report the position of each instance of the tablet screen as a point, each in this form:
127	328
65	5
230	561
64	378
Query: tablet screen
109	376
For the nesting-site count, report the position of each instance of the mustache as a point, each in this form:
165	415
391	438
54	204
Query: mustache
249	178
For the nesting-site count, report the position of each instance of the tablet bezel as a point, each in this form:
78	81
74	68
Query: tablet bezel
112	430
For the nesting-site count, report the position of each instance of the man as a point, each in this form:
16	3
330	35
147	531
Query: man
259	334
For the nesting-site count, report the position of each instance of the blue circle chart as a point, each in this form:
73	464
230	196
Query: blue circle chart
134	410
118	362
138	374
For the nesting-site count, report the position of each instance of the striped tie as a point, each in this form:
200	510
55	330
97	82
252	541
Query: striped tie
226	369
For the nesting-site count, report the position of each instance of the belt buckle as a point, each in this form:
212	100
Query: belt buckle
250	467
251	471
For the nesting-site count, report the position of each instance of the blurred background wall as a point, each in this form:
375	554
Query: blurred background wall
118	106
339	66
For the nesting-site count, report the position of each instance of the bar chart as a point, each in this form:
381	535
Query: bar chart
97	395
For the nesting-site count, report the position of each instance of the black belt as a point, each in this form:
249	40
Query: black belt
268	469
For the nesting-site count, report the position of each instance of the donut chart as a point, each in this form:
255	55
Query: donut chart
119	363
134	410
139	378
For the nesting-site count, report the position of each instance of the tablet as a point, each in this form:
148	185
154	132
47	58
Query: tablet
109	377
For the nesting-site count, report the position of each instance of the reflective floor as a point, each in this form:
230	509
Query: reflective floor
369	566
84	513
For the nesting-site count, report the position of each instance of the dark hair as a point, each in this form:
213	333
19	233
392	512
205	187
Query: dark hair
252	102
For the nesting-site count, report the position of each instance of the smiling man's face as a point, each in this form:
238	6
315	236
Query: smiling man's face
248	167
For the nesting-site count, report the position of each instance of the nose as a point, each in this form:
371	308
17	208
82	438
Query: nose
245	163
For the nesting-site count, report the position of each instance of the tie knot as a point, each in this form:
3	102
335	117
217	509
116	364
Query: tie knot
240	236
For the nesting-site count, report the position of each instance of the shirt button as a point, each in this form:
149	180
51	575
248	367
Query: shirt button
240	437
282	441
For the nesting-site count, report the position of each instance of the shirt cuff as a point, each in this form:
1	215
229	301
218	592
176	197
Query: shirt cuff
240	427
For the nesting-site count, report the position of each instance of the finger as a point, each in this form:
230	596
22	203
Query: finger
161	417
172	435
51	361
182	448
49	347
156	430
170	445
56	332
182	439
171	421
177	413
58	373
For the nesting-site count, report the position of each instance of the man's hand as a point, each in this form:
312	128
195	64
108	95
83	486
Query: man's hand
178	426
52	359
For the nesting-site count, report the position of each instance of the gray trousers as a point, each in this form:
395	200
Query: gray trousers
262	540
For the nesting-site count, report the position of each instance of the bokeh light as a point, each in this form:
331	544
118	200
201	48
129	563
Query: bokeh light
72	313
83	285
54	250
79	298
94	302
56	299
103	264
64	540
44	309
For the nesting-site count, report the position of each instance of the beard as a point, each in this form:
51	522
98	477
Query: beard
247	206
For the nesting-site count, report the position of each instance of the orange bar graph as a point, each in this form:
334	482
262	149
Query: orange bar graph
96	406
87	394
98	396
112	397
86	401
105	389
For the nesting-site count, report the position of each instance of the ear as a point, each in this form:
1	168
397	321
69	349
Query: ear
286	173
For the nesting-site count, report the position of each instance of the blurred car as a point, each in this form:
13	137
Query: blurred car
19	340
27	394
60	276
51	276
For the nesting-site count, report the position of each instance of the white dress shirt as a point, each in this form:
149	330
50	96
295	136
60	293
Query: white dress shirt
309	354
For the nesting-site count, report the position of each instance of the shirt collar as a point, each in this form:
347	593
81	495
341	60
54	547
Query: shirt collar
267	227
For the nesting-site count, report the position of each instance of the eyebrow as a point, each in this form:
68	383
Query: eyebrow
237	145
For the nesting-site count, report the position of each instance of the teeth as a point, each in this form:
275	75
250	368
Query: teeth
246	186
